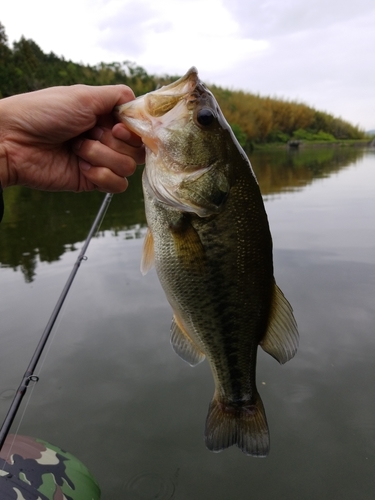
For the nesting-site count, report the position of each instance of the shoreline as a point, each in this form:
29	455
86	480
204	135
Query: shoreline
364	143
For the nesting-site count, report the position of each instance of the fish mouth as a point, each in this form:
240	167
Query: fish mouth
184	85
143	115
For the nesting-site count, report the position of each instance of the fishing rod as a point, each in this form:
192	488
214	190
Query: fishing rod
29	374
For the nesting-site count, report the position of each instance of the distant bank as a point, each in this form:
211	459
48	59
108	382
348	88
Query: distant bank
256	120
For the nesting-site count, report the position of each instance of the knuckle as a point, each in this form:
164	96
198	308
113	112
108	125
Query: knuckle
131	166
89	150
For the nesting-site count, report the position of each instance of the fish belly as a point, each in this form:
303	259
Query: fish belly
217	274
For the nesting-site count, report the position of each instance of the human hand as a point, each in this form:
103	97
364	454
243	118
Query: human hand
67	139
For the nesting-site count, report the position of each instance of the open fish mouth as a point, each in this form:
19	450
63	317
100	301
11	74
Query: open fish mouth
171	106
159	102
172	122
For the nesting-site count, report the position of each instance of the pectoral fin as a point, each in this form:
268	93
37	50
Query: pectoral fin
281	338
184	346
148	253
204	191
188	246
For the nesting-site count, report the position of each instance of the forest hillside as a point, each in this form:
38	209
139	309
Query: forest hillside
255	119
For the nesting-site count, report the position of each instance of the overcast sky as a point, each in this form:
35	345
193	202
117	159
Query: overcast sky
319	52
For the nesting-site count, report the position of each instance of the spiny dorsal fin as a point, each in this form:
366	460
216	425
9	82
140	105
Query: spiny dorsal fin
148	253
184	346
281	338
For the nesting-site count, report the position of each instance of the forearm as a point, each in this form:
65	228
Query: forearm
4	166
3	172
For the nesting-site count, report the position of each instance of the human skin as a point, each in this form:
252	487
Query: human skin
67	139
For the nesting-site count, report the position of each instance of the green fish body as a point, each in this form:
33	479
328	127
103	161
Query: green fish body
210	242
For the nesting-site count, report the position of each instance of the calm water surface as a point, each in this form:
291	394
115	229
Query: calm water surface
113	392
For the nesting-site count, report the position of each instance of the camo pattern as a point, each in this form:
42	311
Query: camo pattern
32	469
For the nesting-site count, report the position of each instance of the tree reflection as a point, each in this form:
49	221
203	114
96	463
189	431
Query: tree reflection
42	226
288	169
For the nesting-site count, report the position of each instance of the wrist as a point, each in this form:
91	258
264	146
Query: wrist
3	167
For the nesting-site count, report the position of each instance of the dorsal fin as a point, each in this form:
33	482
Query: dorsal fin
183	345
148	253
281	338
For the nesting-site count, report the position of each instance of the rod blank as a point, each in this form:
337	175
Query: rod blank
29	374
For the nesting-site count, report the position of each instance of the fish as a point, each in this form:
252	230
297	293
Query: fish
209	239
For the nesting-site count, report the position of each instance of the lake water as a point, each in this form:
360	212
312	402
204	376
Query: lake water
112	391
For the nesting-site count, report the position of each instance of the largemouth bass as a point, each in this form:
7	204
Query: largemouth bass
210	241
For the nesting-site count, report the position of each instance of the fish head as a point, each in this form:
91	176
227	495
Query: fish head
188	144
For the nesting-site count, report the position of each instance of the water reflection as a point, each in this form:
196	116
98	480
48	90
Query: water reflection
290	169
113	392
42	226
149	485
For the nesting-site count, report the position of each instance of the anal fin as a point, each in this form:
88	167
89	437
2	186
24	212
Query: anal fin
184	346
281	338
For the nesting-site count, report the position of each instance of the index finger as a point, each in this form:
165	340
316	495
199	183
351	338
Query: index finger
102	99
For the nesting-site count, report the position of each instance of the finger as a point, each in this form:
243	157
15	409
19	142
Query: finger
127	144
121	132
103	178
97	154
102	99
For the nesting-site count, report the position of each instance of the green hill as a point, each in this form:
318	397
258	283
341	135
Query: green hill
254	119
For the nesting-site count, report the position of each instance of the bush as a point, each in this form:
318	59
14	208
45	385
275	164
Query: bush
310	135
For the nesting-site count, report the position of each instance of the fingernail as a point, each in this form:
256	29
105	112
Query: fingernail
78	144
96	133
84	165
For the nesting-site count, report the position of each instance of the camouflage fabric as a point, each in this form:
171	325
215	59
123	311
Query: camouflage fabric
32	469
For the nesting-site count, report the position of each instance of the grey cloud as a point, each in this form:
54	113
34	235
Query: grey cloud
272	18
123	32
328	68
318	52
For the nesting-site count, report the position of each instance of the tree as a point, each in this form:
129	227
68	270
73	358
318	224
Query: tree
5	64
256	119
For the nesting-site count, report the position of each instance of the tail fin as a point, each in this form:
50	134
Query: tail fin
245	426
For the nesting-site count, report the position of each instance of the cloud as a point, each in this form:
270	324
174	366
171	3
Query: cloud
174	35
272	18
316	52
126	29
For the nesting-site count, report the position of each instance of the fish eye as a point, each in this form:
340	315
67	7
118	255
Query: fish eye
205	117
